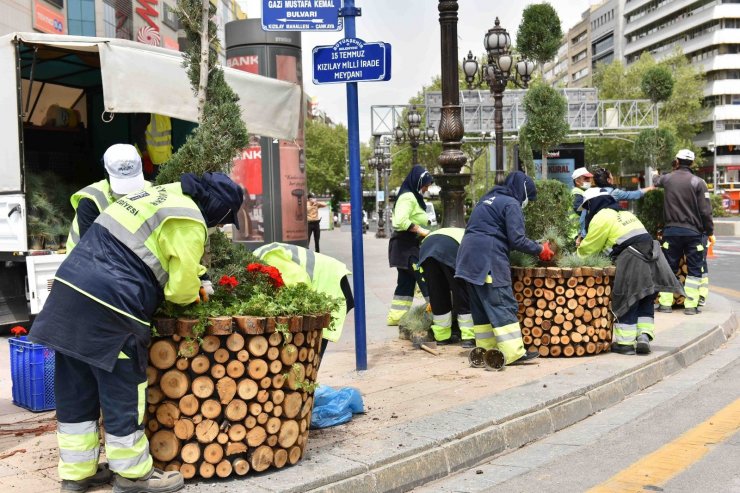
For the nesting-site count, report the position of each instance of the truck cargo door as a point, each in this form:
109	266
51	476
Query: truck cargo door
13	223
41	271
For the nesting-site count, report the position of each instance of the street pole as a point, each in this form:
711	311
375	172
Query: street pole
387	201
498	127
451	128
349	12
715	178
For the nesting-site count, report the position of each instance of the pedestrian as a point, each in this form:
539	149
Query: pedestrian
447	294
124	175
642	271
603	178
314	221
153	137
581	182
409	221
143	249
323	273
495	227
687	214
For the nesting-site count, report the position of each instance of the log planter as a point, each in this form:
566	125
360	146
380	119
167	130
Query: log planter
564	312
235	403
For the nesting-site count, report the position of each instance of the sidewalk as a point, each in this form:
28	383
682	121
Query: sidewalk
426	416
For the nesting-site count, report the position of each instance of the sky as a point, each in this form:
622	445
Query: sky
412	29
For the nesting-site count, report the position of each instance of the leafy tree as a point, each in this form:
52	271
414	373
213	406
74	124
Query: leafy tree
325	156
657	83
539	35
656	146
546	124
221	133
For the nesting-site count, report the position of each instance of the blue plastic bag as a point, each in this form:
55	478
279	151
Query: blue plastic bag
333	407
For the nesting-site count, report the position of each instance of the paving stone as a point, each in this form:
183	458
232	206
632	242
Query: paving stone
569	412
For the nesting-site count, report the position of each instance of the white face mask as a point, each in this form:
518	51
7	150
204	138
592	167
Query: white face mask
586	185
526	197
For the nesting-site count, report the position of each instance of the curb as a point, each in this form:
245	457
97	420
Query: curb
413	454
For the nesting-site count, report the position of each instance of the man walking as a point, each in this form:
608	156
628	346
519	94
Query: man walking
688	221
314	220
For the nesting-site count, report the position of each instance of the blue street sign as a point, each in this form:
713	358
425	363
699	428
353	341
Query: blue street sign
301	15
351	60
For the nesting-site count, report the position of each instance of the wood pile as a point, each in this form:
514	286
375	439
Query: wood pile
233	404
564	312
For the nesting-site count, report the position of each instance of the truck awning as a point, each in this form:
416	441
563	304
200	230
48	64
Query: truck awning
137	78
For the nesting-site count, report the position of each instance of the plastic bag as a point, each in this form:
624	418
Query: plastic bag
333	407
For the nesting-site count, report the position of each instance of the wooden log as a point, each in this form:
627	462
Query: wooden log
188	405
164	445
152	425
292	404
154	395
247	389
197	418
188	471
545	339
235	368
536	332
576	337
206	470
294	455
580	350
257	369
174	384
276	366
544	351
235	342
554	340
256	436
555	330
552	274
152	375
280	458
188	348
184	429
278	381
167	414
272	441
163	354
206	431
261	458
555	351
275	339
213	453
226	388
289	354
243	356
266	382
267	407
210	344
255	408
273	353
250	422
173	466
203	387
200	364
190	453
210	409
257	346
218	371
234	448
591	348
527	339
221	355
568	351
224	469
564	340
241	466
237	432
236	410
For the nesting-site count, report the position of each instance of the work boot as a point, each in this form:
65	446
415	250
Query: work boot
664	309
527	356
453	339
101	477
643	344
691	311
623	348
157	481
702	301
468	343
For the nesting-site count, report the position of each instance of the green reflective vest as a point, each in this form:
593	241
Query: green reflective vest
608	228
321	272
100	193
136	220
159	139
574	217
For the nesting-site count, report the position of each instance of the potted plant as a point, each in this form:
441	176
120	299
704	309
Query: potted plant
165	319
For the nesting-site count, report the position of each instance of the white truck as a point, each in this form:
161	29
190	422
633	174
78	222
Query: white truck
99	84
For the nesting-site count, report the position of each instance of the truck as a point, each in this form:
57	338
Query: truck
63	101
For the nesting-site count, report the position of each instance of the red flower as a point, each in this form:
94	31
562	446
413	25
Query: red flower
275	278
18	331
229	282
254	268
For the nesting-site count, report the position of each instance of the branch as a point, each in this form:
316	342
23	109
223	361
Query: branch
204	47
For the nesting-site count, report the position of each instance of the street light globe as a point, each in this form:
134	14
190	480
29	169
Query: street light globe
470	65
525	68
497	40
415	132
399	134
430	133
504	63
413	118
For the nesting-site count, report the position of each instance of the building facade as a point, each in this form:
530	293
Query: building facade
579	52
606	25
153	22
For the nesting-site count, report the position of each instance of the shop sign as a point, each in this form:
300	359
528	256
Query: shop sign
169	17
148	12
48	20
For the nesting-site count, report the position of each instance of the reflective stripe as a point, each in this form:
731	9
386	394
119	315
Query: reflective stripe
625	333
401	305
74	456
484	335
100	197
444	320
645	320
77	471
122	355
77	428
125	442
630	234
699	248
262	251
98	300
403	298
136	241
73	234
665	299
465	320
508	337
489	279
665	245
141	408
295	254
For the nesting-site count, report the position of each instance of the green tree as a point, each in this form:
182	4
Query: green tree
325	156
546	124
654	146
221	134
539	35
657	83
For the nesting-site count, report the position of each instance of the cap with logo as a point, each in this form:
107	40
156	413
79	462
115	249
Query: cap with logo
685	154
579	172
592	193
123	164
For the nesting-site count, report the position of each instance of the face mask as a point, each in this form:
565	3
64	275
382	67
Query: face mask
526	197
586	185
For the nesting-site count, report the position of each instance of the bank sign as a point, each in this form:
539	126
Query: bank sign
351	60
301	15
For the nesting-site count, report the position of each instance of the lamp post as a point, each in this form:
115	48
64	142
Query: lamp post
381	161
497	73
711	147
414	134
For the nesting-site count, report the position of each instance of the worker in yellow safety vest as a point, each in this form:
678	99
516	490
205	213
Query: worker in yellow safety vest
153	134
581	182
124	175
143	249
322	272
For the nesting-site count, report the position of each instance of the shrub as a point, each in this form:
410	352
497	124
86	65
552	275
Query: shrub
549	213
649	210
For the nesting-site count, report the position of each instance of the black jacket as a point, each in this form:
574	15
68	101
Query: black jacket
686	203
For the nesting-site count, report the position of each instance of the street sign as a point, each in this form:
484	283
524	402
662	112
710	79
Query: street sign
301	15
351	60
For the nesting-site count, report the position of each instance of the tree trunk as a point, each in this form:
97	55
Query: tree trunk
204	49
544	163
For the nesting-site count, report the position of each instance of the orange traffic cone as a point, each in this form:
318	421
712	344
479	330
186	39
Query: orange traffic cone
710	251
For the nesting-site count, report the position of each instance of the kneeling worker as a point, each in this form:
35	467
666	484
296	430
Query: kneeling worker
437	258
642	270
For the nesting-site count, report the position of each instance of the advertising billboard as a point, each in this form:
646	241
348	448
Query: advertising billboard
48	19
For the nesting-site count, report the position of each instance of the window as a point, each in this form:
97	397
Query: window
580	74
117	16
580	56
81	17
603	45
579	38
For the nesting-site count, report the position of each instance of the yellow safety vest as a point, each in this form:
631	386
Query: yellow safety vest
321	272
454	233
574	217
609	228
100	193
136	220
159	139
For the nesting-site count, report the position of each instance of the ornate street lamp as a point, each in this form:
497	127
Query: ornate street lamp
497	73
414	133
381	161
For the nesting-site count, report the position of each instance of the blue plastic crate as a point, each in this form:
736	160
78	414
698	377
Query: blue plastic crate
32	372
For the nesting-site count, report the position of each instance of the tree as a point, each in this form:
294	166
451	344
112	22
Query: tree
546	124
539	35
221	133
656	146
657	83
325	156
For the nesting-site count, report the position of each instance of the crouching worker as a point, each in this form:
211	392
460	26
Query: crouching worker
642	270
496	226
437	257
141	250
323	273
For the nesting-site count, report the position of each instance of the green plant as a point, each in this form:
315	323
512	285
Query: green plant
301	383
539	35
572	260
521	259
283	329
718	209
657	83
558	242
169	310
546	124
649	210
551	209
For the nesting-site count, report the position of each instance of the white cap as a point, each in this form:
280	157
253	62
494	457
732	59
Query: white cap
579	172
592	193
685	154
123	164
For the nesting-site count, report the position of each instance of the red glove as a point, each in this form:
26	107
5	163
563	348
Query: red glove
147	164
546	254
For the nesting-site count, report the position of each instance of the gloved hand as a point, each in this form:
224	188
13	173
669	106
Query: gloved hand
202	296
147	164
206	285
546	254
712	240
422	232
